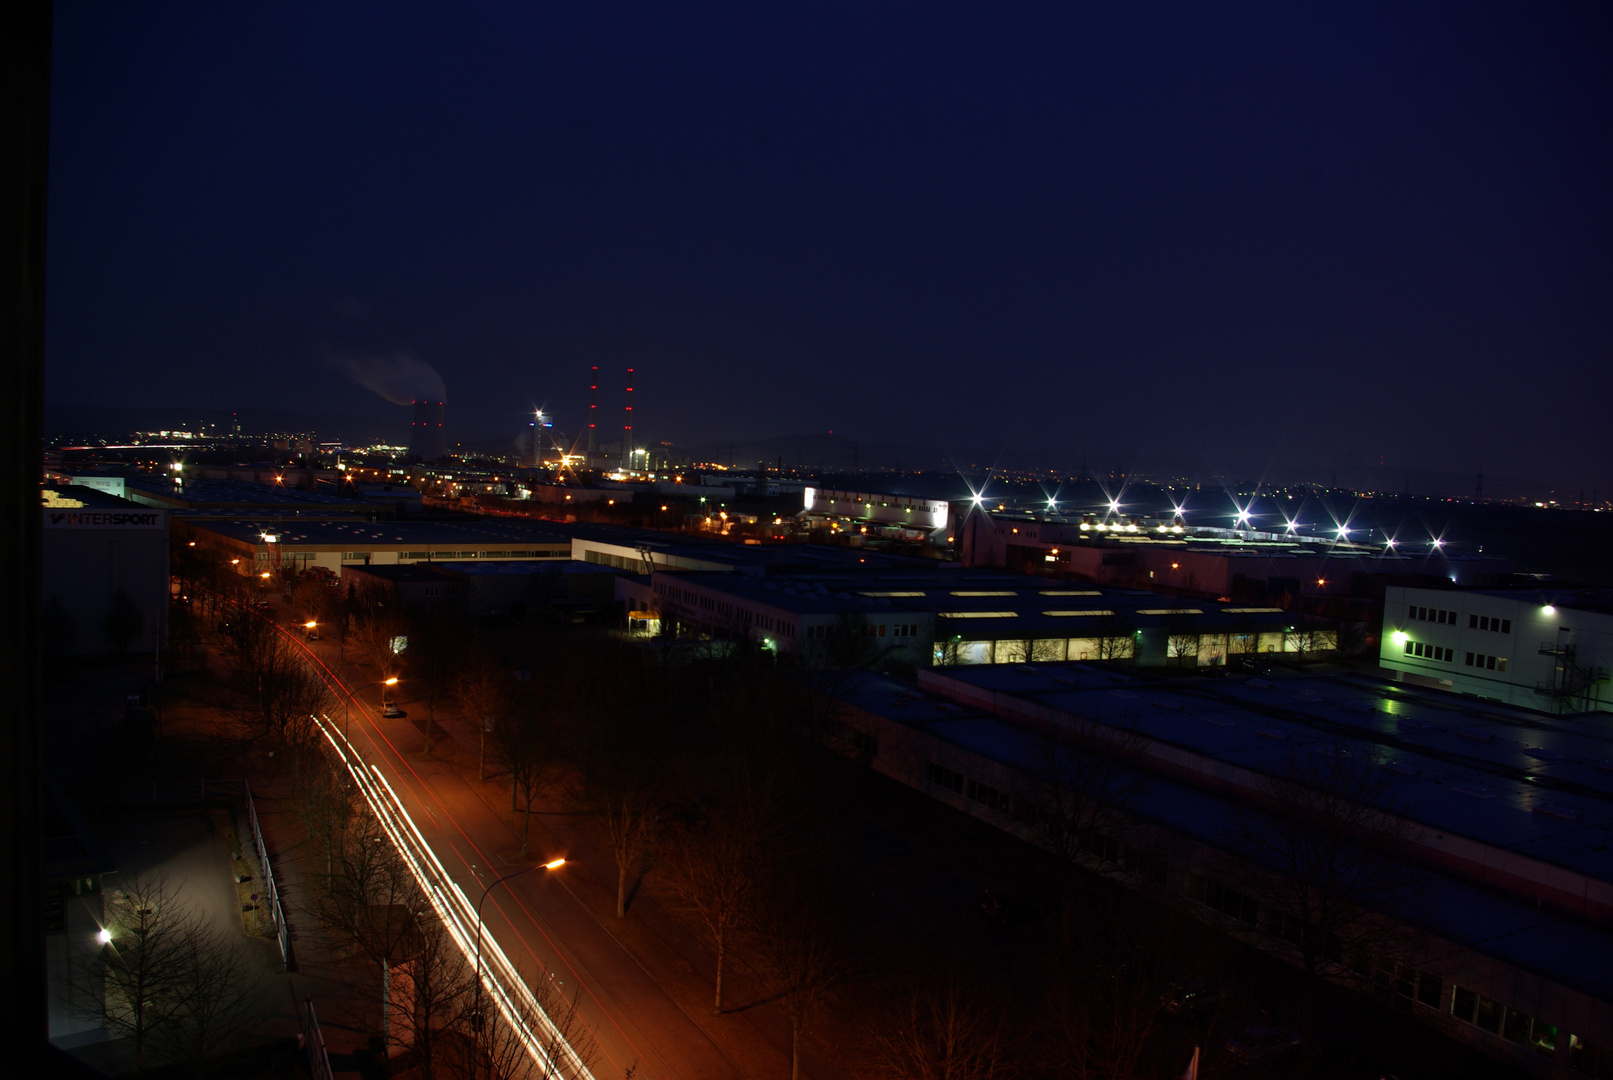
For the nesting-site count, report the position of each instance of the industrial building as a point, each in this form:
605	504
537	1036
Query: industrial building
105	580
1538	647
242	496
1167	555
272	542
494	588
924	615
907	516
1482	828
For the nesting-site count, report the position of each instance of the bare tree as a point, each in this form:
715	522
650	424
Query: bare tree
1074	793
437	641
482	689
123	622
442	983
281	691
1318	853
1104	992
166	979
623	768
1245	638
1181	639
370	901
712	874
521	1042
797	947
1116	639
220	1004
328	808
527	742
377	632
760	791
945	1029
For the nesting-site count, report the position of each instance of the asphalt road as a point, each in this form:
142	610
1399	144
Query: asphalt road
535	918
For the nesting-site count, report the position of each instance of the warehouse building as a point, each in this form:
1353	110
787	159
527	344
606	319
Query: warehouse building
1483	827
105	575
1538	647
1167	555
948	617
260	545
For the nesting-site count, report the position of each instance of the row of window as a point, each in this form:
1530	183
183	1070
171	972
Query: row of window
1488	663
1426	988
870	630
1449	618
1088	841
1431	652
1486	1015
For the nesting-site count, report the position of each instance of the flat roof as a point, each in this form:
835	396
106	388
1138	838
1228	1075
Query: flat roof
1569	598
202	493
1527	782
992	603
86	496
402	534
1560	946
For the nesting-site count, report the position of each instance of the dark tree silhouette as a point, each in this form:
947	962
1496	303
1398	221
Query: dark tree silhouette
123	622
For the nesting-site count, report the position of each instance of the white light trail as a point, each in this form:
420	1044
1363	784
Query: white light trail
500	979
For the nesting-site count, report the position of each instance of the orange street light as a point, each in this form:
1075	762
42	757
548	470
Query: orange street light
264	575
310	624
552	864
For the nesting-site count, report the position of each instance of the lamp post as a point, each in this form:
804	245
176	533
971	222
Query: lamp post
476	1010
347	698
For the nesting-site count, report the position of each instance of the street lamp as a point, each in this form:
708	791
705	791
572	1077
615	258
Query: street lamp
347	697
476	1009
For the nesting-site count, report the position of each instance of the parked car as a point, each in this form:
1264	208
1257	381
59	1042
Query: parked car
1191	998
392	712
1258	1043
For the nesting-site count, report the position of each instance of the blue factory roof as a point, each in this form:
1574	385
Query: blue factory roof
1559	946
201	494
1538	785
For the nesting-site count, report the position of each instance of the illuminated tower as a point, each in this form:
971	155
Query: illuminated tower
426	437
627	426
593	406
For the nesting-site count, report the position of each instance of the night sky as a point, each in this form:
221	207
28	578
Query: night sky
1223	231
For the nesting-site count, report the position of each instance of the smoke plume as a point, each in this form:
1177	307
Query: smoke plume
400	378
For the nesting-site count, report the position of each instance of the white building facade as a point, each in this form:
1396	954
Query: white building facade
1537	648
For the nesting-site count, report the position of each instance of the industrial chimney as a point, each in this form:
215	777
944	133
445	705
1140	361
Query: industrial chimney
427	441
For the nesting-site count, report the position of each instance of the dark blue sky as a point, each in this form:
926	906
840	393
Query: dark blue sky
1235	232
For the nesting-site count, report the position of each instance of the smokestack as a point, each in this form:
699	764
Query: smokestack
426	438
627	428
593	405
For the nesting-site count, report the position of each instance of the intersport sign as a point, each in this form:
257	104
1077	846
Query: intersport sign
103	519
